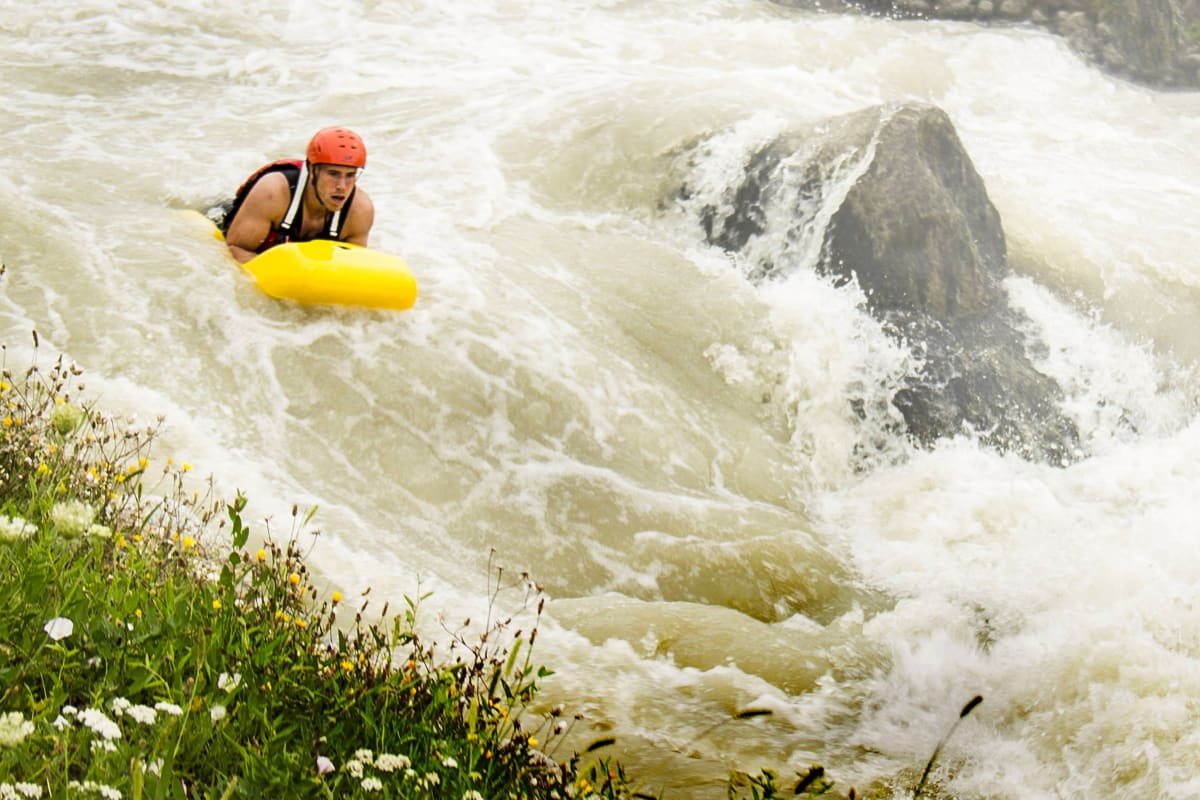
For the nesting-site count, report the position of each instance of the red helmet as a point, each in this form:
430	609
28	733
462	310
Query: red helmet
337	146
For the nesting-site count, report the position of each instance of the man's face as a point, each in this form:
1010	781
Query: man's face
334	184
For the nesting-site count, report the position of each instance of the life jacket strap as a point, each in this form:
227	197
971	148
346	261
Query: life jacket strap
297	197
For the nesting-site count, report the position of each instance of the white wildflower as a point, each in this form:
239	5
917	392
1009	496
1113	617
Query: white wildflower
59	628
169	708
142	714
120	705
472	795
101	724
16	528
364	755
105	791
72	517
449	763
432	779
355	768
216	713
229	682
324	765
62	723
155	767
14	728
372	784
105	745
16	791
98	531
388	762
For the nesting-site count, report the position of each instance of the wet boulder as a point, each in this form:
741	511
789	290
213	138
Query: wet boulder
889	199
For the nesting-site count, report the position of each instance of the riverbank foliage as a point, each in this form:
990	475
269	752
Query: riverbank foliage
149	650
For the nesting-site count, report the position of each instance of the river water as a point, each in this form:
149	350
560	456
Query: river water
588	390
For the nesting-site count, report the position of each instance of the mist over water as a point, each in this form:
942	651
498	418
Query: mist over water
590	391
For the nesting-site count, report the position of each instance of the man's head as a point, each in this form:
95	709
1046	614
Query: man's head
335	155
340	146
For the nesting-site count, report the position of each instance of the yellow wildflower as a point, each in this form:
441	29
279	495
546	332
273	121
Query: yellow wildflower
347	665
187	467
216	605
300	623
337	598
188	542
42	469
293	579
261	555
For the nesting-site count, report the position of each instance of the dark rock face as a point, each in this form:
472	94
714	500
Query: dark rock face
901	210
917	229
1154	42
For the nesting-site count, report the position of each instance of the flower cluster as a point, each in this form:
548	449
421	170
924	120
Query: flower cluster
92	787
14	728
385	763
72	517
16	528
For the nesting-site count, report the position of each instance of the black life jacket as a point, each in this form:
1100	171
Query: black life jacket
293	221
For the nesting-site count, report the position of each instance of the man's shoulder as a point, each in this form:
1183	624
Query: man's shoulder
271	188
360	196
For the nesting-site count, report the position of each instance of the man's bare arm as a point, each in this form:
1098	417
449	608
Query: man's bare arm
262	210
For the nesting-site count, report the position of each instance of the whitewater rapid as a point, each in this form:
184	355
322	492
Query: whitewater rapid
588	392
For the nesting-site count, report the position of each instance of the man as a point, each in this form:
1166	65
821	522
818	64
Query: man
295	201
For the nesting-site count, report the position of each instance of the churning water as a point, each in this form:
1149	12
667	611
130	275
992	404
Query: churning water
588	389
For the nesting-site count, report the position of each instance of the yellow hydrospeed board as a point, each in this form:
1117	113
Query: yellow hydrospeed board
323	272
